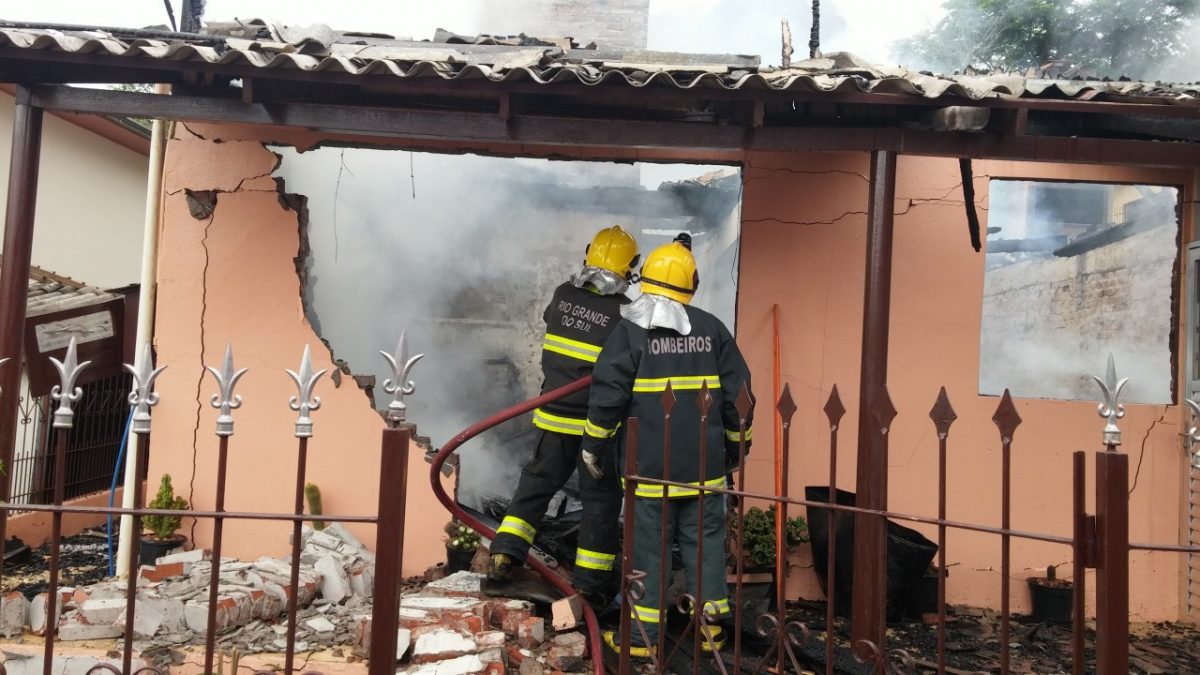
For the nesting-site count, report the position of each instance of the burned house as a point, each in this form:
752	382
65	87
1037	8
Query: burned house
852	262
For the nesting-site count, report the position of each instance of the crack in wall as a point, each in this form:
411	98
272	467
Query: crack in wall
193	133
1142	454
912	202
770	171
200	380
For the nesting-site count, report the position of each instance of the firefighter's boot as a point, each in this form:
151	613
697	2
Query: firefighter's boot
500	567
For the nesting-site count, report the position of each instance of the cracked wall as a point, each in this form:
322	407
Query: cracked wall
227	273
803	247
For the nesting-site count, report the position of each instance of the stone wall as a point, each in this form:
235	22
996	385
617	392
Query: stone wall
1048	323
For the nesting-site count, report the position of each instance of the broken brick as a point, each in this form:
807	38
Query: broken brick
466	623
14	614
163	572
532	632
566	613
507	615
193	556
491	639
462	665
102	612
566	652
72	627
442	644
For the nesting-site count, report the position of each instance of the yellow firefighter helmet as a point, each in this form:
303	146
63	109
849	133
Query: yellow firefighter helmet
613	249
670	271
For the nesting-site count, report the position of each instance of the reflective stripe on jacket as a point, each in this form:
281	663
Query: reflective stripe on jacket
578	321
629	379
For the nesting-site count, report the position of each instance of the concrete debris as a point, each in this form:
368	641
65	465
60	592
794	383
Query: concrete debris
14	614
441	644
320	625
460	584
446	627
20	664
567	651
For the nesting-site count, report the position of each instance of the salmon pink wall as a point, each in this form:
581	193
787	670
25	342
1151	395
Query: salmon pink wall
803	247
232	277
804	223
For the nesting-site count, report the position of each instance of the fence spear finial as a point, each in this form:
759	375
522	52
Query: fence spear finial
398	385
143	398
225	400
66	392
304	402
1111	408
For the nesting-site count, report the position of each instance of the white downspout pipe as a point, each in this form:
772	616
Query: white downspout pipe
145	321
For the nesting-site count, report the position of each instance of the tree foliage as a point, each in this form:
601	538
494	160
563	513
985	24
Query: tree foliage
1134	38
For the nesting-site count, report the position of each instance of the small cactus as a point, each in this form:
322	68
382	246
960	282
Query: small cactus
313	494
459	537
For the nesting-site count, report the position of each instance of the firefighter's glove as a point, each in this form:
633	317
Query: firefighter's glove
594	463
733	458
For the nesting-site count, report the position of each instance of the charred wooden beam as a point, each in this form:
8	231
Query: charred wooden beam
1037	245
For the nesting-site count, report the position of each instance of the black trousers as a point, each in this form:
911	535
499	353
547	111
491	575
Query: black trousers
688	523
556	457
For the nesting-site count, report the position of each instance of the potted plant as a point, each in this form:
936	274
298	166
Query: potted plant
1053	598
162	537
757	553
461	544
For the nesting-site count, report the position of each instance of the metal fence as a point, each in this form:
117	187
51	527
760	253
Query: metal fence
1099	541
69	417
92	448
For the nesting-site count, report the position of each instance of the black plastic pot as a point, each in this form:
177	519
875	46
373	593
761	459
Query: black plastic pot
758	591
150	550
924	596
457	561
908	554
1053	599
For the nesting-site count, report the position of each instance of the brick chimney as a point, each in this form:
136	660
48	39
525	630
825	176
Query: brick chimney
617	24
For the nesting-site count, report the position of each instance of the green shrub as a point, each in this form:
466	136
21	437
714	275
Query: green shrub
758	535
164	527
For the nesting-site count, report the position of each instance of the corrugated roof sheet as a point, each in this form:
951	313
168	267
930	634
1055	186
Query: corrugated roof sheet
451	57
50	292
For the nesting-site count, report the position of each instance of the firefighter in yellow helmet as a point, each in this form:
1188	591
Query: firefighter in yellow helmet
579	318
661	339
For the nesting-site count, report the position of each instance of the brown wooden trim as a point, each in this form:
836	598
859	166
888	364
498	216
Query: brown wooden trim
474	129
99	125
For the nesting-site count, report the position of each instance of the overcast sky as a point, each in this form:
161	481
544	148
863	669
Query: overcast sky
866	27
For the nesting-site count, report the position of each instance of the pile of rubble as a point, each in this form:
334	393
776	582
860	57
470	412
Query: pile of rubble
336	582
446	626
449	627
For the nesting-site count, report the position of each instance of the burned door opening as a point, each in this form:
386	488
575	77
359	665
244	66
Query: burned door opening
464	252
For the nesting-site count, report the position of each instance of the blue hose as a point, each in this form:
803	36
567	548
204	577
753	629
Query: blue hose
112	491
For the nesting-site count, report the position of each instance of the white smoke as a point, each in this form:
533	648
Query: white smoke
464	252
1050	321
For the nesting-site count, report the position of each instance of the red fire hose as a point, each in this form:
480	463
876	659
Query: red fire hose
589	617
